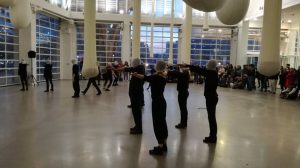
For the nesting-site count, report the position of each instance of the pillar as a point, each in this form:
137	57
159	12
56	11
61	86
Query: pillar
242	44
185	46
126	41
171	34
136	21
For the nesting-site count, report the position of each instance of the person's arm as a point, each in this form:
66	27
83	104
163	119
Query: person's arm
174	74
197	69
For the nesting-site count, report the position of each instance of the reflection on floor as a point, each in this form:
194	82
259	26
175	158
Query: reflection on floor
52	130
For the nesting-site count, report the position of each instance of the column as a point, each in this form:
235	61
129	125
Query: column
27	42
185	46
171	34
126	41
68	41
242	44
136	29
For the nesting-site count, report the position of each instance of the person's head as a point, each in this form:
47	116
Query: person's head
136	62
211	65
73	61
48	61
23	61
160	66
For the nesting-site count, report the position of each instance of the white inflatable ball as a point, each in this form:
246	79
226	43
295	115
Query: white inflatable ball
21	14
233	11
6	3
205	5
269	68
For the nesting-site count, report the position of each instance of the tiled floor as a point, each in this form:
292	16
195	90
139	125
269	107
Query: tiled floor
52	130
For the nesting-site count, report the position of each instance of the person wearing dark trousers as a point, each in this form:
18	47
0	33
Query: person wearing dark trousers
183	94
48	76
92	81
210	93
22	71
159	107
75	79
99	75
136	94
108	76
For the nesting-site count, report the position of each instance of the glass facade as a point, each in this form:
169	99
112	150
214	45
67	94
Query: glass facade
108	41
102	6
211	44
47	45
161	44
66	4
9	50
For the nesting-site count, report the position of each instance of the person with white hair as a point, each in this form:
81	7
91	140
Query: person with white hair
22	71
48	75
136	94
75	78
159	106
210	92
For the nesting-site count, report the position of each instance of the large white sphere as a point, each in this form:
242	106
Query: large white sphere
233	11
21	14
269	68
6	3
205	5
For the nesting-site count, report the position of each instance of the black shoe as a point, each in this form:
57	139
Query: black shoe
180	126
46	91
22	89
129	106
156	151
75	96
52	90
210	140
107	89
164	148
99	93
136	131
83	92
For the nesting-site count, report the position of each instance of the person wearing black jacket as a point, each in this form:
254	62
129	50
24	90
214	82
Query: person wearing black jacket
159	107
48	76
136	92
75	77
92	80
183	94
210	92
22	71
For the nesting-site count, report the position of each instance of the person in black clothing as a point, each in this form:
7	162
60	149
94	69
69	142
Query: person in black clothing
183	94
22	71
108	76
136	94
92	80
48	76
211	96
99	75
159	107
75	77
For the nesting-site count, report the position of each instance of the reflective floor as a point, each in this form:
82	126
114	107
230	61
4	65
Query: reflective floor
52	130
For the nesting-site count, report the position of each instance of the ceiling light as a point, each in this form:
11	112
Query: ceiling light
220	30
289	21
121	11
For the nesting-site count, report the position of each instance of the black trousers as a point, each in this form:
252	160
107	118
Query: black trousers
182	100
135	99
110	81
49	80
76	87
211	103
24	81
116	80
92	81
159	108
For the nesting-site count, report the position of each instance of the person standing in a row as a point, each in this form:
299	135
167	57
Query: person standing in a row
22	71
210	92
183	94
75	79
159	107
108	76
48	75
136	94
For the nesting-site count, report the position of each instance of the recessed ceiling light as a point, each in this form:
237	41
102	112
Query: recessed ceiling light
289	21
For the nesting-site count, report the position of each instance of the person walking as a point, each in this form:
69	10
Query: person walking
92	80
22	72
75	78
48	76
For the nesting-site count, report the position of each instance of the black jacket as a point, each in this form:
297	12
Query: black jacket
211	80
182	80
22	71
48	71
136	84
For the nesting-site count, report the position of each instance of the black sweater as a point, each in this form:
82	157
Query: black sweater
182	80
158	84
211	80
136	84
48	71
